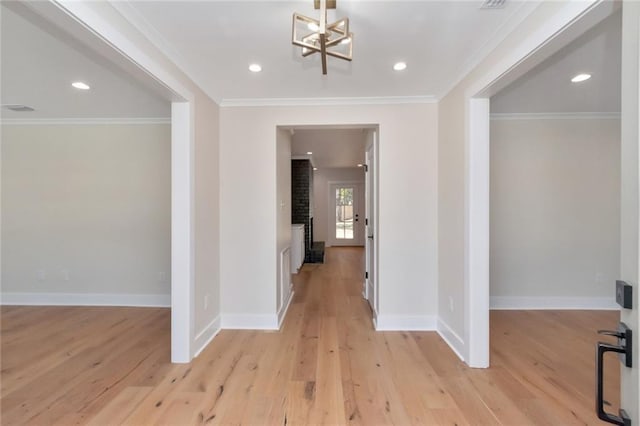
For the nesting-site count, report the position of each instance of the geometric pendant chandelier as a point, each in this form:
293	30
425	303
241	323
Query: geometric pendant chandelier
316	36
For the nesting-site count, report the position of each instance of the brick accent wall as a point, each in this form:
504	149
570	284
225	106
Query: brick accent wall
301	198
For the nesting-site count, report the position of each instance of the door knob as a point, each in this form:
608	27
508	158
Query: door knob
617	334
623	349
624	335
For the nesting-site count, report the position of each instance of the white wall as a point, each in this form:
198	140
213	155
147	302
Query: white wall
207	217
283	213
555	211
407	236
321	179
86	210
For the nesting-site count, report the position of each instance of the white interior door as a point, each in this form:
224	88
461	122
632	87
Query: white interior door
370	221
344	214
630	196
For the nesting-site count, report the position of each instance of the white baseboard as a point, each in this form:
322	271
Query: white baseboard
538	303
451	338
284	309
86	299
249	322
406	322
204	337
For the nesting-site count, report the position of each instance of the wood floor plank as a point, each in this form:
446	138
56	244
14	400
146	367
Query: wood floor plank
119	408
327	365
328	407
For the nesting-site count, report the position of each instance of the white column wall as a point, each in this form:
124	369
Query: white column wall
407	197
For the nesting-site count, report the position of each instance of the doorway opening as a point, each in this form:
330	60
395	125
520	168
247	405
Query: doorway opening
555	209
105	65
333	196
477	213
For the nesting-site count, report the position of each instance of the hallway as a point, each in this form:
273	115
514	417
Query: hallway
326	366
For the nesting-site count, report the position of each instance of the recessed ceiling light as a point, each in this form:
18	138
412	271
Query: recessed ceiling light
80	85
309	152
399	66
255	68
580	77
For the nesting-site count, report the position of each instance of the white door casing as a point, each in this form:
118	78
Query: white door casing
370	290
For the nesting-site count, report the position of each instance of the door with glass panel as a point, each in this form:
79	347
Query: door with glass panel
344	217
371	292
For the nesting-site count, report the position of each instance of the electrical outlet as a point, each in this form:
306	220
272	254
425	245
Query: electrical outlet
65	274
451	303
41	274
162	277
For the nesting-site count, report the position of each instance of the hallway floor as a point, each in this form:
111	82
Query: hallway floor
326	366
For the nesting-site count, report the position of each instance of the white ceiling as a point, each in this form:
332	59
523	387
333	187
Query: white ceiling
215	41
548	88
334	148
39	63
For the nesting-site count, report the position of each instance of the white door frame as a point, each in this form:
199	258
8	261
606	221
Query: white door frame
571	21
371	210
122	50
375	128
629	220
182	233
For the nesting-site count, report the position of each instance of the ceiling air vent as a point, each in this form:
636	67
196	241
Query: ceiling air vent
18	108
493	4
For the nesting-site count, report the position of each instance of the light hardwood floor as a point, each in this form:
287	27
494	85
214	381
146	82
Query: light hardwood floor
327	365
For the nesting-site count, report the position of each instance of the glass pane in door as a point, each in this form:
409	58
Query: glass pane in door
344	213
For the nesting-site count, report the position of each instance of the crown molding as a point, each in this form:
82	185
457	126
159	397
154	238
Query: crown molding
137	19
131	14
383	100
81	121
556	116
500	34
